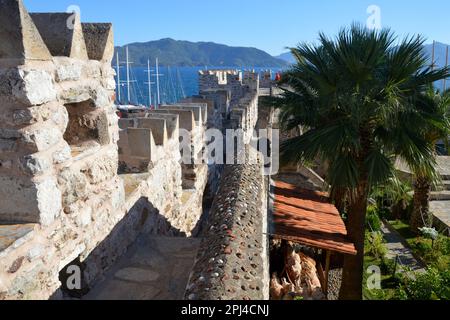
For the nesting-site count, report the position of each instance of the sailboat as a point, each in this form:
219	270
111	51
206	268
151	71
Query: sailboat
155	99
124	110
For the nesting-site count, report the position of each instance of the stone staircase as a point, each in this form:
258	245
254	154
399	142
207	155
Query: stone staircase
440	198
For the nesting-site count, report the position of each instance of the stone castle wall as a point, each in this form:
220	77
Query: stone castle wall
78	185
233	262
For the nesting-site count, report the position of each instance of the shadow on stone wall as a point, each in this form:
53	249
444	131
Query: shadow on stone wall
142	218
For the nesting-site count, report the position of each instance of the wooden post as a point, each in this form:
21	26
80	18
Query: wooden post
327	270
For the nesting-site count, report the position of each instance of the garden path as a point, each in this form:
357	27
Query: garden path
397	247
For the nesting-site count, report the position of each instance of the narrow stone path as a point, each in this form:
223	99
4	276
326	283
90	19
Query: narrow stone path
396	248
154	268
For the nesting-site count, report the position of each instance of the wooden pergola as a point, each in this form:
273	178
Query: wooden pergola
307	217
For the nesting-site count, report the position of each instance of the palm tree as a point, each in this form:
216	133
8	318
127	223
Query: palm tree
355	96
424	178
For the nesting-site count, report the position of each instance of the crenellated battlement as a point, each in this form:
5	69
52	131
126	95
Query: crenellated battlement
78	185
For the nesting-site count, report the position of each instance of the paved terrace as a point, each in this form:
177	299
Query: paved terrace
155	268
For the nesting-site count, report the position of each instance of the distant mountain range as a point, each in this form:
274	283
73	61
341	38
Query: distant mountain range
287	56
440	54
185	53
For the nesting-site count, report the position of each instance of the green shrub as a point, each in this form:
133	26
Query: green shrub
375	245
400	294
385	213
373	221
443	291
388	266
435	255
442	244
426	286
422	246
431	285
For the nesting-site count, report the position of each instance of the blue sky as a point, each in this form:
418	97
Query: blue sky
267	25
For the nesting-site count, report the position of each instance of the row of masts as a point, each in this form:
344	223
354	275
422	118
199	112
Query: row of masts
433	64
128	80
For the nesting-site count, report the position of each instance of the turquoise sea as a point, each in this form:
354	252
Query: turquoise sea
175	83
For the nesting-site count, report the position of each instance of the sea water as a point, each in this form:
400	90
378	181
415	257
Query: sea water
175	83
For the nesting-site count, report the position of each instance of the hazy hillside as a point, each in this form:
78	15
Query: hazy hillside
288	57
440	52
185	53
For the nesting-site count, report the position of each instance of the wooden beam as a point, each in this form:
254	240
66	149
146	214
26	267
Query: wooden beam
321	276
327	270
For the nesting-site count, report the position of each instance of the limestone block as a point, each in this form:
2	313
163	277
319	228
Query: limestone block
42	139
9	133
158	128
62	34
7	75
200	111
49	201
34	87
60	117
63	154
35	164
101	97
75	185
26	116
206	105
186	117
140	142
109	83
7	145
36	252
3	287
84	217
67	69
118	196
6	164
103	168
172	122
92	69
27	282
127	123
19	37
34	202
99	41
75	94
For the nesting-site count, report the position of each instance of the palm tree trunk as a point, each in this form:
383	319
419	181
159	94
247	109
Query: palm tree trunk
339	198
352	278
421	212
351	288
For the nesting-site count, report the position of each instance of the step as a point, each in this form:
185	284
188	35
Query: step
443	186
440	195
441	210
446	184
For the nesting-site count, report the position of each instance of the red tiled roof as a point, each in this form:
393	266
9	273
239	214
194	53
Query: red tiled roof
307	217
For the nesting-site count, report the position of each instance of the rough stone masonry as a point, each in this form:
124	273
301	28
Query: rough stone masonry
76	185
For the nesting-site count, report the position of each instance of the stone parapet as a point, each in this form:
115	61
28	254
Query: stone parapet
233	260
78	185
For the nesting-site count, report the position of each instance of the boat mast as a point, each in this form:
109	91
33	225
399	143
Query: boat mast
118	77
157	82
446	64
149	83
432	55
128	76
